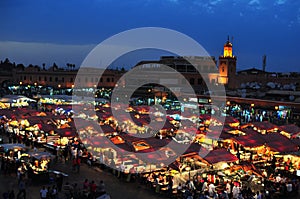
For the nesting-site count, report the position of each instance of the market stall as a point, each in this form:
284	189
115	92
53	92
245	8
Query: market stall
38	164
12	152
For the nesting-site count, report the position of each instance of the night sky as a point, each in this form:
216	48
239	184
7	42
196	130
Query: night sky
64	31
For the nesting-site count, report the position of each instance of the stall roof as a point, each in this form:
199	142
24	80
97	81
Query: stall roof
107	128
275	141
296	141
220	155
291	129
279	143
47	127
230	119
265	125
13	98
7	112
13	146
252	139
157	125
194	147
66	132
40	155
205	116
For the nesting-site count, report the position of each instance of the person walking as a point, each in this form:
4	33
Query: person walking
22	189
54	192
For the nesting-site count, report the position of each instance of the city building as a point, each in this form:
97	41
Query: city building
173	71
12	74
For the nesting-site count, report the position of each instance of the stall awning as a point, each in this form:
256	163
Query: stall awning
264	125
220	155
40	155
292	129
279	143
12	146
107	128
251	139
66	132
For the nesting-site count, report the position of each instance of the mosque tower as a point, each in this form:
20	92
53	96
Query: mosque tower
227	66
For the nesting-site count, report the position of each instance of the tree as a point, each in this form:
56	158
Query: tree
6	61
54	66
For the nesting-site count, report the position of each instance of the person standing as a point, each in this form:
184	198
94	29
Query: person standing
228	188
93	188
59	182
43	193
101	187
204	186
211	190
235	191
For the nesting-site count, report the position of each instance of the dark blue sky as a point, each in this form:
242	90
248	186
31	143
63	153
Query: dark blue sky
38	31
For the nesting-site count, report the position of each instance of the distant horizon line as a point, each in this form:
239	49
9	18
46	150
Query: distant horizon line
77	50
119	68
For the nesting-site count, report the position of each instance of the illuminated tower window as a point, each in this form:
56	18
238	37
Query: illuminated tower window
228	49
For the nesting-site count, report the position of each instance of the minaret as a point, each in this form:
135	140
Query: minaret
227	49
227	66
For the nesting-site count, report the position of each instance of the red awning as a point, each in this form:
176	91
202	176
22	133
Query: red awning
279	143
264	125
291	129
66	132
220	155
252	139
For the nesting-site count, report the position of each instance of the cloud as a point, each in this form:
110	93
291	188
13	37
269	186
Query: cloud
38	53
254	2
173	1
215	2
280	2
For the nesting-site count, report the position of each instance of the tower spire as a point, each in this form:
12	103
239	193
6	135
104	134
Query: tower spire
227	48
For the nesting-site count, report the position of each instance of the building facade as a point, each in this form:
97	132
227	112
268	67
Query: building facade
56	77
